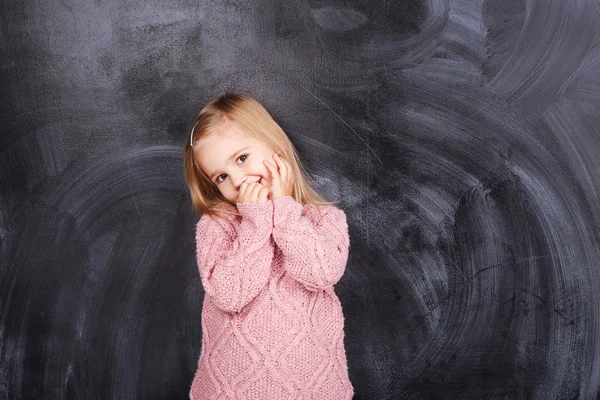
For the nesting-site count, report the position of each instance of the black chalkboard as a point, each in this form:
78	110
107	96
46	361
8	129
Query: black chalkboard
460	137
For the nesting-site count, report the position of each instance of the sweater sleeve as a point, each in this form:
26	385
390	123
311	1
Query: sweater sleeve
315	248
235	259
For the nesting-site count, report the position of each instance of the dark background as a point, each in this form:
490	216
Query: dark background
461	138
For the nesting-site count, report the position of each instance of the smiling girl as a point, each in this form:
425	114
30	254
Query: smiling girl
269	250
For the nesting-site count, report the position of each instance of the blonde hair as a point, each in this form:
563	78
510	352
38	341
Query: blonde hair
254	120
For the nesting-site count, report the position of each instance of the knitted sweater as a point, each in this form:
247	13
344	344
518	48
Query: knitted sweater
272	325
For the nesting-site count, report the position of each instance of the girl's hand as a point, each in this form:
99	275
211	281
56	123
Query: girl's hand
282	182
253	193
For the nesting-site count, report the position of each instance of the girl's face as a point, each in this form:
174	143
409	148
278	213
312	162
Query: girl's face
232	157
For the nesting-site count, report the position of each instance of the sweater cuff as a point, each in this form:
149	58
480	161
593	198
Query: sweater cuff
260	214
283	208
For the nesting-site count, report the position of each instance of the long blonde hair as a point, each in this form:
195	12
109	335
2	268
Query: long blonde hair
255	121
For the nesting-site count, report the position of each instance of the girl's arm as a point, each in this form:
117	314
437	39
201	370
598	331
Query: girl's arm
315	248
235	259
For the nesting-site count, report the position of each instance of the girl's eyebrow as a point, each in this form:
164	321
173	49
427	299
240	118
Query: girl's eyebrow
231	157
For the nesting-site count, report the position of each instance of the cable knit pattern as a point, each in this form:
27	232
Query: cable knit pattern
314	252
272	325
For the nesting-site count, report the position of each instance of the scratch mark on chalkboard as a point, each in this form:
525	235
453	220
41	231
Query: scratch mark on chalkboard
463	284
571	322
131	190
345	123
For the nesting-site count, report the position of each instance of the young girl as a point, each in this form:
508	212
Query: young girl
269	250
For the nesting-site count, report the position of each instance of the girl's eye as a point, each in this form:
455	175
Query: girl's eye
219	181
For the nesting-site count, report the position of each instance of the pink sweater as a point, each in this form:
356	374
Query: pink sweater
272	325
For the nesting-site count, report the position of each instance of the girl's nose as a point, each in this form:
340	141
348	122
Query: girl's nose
239	180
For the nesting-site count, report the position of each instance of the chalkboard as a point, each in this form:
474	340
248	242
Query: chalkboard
460	137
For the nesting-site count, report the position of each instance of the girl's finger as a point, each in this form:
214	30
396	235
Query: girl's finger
263	194
289	172
271	169
278	162
276	166
283	169
256	189
243	187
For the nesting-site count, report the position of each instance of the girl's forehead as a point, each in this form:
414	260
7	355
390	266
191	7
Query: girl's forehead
214	151
220	142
